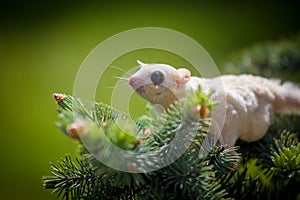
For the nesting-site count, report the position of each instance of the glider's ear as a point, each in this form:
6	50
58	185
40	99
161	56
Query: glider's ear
140	62
183	76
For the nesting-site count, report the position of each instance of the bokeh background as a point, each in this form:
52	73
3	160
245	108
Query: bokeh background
43	43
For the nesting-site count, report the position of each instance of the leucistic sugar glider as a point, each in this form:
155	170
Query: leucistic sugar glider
249	101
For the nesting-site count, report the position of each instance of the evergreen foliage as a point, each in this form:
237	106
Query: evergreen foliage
280	59
266	169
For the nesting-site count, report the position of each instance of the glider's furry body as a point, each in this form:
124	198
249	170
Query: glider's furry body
249	101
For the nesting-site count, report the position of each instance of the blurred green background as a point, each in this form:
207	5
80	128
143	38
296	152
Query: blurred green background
43	43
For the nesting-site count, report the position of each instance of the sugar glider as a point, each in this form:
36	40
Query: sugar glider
249	101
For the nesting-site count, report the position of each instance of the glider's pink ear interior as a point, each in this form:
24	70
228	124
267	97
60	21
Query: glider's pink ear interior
183	76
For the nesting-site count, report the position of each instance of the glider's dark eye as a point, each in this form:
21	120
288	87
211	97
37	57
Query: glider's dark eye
157	78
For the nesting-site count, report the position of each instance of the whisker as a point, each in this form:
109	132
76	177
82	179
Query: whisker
154	60
121	78
121	83
118	68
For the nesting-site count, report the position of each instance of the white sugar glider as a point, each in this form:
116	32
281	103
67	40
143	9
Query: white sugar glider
249	101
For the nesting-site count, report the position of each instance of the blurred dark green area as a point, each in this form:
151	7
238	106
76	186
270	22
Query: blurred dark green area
43	43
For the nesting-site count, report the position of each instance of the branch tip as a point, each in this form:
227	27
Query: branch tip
59	97
77	129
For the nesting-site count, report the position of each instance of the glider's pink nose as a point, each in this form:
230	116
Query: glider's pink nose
132	80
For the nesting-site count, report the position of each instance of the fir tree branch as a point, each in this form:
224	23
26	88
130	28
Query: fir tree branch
70	179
